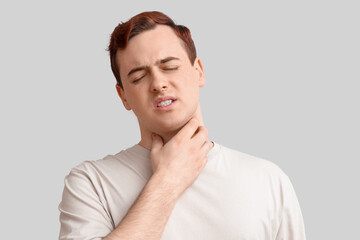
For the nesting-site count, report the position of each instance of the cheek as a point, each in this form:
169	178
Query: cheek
192	84
138	100
189	79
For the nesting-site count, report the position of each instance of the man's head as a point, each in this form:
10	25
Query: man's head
158	73
145	21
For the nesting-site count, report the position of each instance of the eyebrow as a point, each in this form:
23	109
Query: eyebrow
161	61
168	59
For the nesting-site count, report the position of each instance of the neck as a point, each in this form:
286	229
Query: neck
146	140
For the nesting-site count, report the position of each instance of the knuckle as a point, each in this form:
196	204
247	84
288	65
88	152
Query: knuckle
205	131
193	149
178	141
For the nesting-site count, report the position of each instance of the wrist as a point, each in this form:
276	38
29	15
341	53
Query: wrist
165	186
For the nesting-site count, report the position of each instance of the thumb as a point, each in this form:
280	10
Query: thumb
157	142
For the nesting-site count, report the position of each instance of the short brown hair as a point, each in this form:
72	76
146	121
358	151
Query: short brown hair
140	23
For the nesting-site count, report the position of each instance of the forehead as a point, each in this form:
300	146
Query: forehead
149	47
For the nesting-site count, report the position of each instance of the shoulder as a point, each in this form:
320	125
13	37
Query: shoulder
129	163
88	174
248	160
91	167
252	166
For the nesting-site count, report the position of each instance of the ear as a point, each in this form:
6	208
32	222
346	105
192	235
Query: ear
123	97
200	70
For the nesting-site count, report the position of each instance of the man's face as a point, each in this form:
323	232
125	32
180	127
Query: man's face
160	83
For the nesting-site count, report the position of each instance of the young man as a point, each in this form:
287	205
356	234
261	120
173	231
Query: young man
173	184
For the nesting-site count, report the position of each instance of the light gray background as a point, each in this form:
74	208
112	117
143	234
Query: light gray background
282	84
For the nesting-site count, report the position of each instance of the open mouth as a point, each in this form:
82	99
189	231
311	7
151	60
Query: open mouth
165	103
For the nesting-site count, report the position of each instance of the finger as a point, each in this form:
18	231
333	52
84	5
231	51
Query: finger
206	147
203	164
200	136
188	130
205	160
157	142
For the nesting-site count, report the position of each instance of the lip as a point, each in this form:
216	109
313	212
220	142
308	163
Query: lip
160	99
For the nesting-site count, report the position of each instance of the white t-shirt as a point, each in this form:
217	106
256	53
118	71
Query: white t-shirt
236	196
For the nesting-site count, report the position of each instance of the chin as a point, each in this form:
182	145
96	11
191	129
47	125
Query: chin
171	125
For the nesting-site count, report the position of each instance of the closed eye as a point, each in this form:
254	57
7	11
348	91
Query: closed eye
171	68
138	79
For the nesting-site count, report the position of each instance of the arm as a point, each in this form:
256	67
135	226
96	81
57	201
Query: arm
148	216
176	165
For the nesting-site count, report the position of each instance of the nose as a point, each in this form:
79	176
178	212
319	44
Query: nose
159	83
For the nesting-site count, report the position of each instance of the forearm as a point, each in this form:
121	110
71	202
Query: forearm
176	165
148	216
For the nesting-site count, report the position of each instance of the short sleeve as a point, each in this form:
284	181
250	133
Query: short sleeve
292	224
82	212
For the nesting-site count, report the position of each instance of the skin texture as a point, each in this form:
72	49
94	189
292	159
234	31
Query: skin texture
159	80
175	135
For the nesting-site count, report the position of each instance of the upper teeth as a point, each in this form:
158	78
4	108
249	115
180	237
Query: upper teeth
164	103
